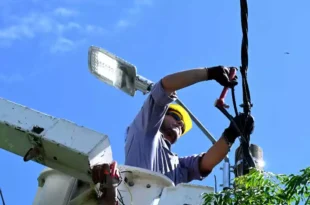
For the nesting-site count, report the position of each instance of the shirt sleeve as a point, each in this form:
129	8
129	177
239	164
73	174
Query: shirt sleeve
191	165
142	134
151	115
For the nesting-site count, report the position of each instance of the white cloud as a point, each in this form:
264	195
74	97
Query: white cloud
36	23
65	27
132	13
16	32
62	45
122	23
95	29
143	2
29	26
64	12
26	27
18	77
134	10
14	78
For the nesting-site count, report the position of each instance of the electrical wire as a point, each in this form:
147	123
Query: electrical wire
120	197
2	198
247	105
125	183
131	200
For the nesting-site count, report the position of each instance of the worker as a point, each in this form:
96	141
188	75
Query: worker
160	123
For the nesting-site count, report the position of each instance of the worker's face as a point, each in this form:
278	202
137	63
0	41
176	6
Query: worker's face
172	127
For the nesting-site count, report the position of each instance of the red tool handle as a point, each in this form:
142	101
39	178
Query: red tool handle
113	169
220	101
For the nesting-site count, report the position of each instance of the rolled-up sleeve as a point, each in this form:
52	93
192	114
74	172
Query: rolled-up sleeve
153	110
141	135
191	165
160	96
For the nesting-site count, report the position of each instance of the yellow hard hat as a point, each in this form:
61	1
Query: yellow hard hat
184	115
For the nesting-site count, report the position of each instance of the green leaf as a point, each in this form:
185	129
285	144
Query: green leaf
268	188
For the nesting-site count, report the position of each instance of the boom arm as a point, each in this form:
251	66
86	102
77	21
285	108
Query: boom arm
50	141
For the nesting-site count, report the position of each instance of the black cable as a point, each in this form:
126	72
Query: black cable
2	198
126	171
247	105
120	197
244	57
234	100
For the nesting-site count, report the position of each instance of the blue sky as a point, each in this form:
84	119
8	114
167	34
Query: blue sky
44	45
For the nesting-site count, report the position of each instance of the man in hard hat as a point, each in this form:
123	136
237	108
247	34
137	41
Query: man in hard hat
160	123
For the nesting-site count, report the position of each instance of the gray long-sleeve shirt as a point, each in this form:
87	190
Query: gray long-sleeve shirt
146	148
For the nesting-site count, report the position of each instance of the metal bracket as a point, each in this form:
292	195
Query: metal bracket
36	152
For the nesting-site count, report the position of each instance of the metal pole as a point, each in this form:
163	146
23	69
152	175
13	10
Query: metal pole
197	122
226	175
215	184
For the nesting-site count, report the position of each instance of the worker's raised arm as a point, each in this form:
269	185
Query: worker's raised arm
187	78
220	149
197	167
177	81
150	117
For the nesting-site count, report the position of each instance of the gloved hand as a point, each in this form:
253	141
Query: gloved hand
231	132
221	75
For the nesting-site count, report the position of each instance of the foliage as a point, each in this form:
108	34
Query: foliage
265	188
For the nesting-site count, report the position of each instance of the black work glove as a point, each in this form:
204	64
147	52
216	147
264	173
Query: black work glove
231	133
221	75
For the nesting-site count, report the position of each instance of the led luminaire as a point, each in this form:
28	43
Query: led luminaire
112	70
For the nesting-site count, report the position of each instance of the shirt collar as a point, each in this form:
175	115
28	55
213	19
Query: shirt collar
166	141
168	144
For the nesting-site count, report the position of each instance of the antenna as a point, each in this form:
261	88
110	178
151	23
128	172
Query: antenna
215	184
